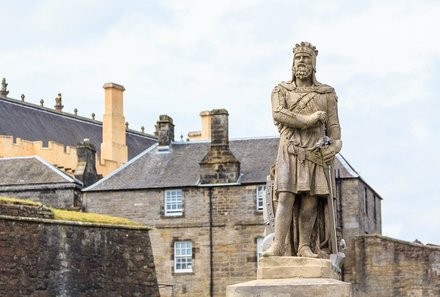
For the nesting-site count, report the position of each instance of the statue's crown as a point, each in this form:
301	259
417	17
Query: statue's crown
305	47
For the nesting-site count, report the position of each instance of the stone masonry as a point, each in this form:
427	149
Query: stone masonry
235	227
387	267
43	257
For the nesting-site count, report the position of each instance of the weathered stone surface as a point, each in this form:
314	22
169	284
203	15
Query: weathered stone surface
308	287
44	258
306	114
294	267
21	210
387	267
236	225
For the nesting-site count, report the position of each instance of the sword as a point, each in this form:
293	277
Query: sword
337	257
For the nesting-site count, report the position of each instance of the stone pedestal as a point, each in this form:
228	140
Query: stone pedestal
290	287
292	277
295	267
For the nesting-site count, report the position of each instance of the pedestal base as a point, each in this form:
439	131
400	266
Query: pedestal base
293	267
292	277
294	287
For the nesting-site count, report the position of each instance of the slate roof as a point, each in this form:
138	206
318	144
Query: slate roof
34	170
32	122
179	167
343	168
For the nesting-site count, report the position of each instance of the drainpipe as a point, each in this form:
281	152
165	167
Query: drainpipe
339	194
211	252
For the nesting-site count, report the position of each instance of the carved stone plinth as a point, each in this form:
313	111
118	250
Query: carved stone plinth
295	267
292	277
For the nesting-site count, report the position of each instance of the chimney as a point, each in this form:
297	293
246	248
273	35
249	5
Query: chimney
86	168
205	117
205	133
164	130
114	147
219	165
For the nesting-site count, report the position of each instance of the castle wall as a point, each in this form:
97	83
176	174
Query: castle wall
387	267
42	257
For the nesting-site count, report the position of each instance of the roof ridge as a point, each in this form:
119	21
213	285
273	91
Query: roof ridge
121	168
58	171
68	115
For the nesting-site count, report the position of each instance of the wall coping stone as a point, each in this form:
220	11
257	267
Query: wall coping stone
73	223
382	237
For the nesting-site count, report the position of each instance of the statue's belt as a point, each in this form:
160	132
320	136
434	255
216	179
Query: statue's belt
313	154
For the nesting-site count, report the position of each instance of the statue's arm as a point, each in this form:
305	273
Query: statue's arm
332	124
333	130
285	117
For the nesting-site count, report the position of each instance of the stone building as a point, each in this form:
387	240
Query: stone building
205	201
28	129
35	179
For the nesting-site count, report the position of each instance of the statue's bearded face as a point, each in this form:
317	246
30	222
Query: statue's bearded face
303	66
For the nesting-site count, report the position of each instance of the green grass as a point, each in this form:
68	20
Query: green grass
67	215
19	201
75	216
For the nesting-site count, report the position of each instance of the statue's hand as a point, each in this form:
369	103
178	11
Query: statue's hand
328	154
318	116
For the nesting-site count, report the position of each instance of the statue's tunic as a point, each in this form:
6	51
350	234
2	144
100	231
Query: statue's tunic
299	168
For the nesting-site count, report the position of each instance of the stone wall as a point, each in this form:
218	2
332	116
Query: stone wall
359	212
235	227
66	196
42	257
387	267
21	210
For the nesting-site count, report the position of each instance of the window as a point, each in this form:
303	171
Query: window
183	256
366	200
374	209
173	203
259	247
261	191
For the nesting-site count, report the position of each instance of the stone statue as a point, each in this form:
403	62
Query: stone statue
305	112
58	103
4	91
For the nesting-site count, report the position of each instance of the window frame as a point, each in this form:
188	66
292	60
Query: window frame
168	200
259	243
186	258
260	190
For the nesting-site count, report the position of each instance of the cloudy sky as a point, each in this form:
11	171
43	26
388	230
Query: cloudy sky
182	57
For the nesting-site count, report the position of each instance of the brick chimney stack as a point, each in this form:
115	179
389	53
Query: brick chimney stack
86	168
114	147
219	165
164	130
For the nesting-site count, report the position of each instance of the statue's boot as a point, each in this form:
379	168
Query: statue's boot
274	250
307	219
305	251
